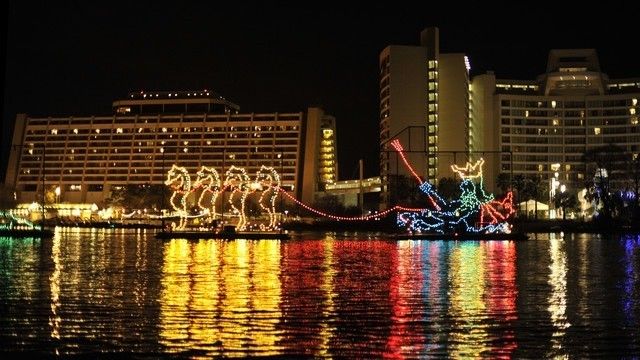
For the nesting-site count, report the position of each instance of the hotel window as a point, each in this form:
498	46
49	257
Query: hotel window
596	131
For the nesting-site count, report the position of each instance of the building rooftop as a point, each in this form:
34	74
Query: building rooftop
189	101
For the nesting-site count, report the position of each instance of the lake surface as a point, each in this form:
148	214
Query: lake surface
356	295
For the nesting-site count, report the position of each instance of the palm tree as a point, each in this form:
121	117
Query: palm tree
564	201
609	160
449	188
518	185
503	182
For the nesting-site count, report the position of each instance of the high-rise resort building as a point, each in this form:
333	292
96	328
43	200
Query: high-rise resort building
86	157
540	127
549	123
424	102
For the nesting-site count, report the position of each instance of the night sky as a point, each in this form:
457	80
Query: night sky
76	57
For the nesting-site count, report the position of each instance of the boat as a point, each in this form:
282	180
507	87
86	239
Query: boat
17	227
462	236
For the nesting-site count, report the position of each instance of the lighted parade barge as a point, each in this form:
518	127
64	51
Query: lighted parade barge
16	227
474	215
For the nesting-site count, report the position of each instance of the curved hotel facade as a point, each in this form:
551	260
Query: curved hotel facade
88	156
545	126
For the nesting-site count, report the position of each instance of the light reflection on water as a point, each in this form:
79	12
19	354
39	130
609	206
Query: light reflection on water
558	298
320	296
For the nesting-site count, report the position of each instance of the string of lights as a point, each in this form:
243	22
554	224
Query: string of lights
474	206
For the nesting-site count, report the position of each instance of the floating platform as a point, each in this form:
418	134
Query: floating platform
195	235
27	233
462	236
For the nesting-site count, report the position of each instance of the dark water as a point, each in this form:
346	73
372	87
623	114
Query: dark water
123	293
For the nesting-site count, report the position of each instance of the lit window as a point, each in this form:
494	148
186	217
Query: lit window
632	111
97	131
634	101
164	130
54	131
553	104
526	113
596	131
555	122
119	131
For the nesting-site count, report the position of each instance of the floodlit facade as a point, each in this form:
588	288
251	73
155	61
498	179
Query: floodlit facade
544	126
85	158
424	102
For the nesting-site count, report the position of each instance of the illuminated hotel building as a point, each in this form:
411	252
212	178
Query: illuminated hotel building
89	156
531	127
549	123
424	102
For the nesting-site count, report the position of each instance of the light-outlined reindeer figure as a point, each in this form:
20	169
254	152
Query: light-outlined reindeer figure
209	180
180	182
268	180
238	183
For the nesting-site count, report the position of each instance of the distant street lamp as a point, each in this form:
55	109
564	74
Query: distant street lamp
57	191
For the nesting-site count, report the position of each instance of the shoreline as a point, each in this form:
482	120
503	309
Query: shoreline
519	226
